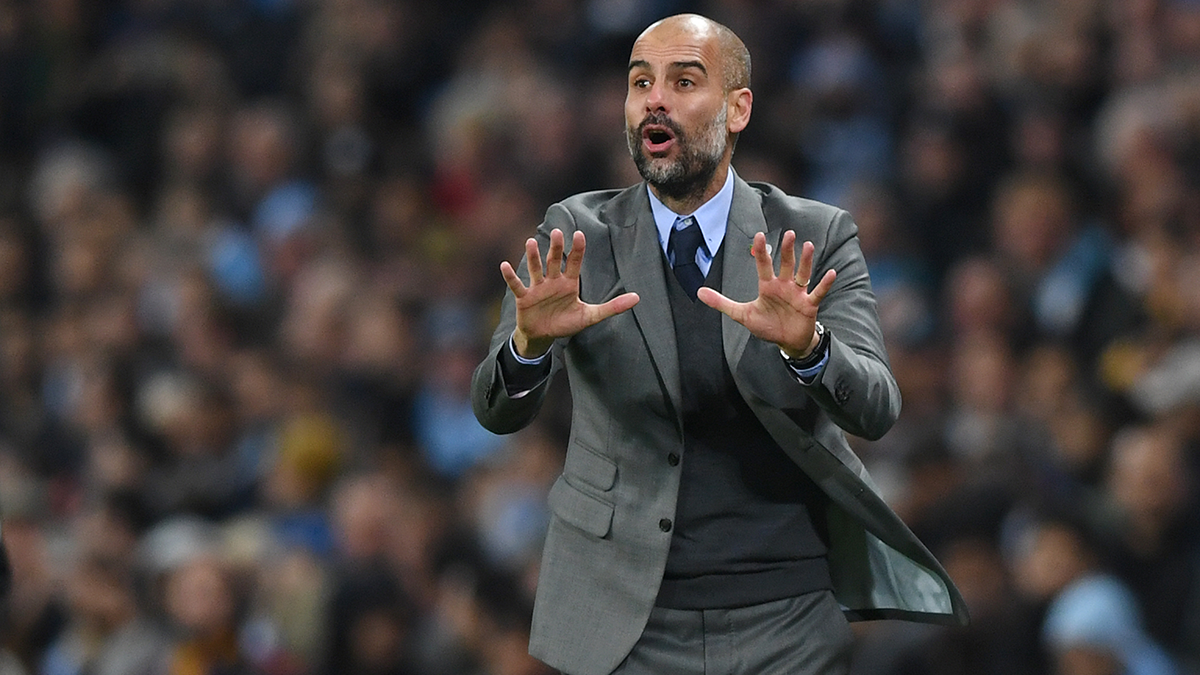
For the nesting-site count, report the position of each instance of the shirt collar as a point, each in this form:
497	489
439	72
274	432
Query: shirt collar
712	216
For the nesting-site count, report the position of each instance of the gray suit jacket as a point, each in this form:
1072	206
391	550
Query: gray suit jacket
605	550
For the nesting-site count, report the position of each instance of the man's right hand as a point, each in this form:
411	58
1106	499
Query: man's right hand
549	307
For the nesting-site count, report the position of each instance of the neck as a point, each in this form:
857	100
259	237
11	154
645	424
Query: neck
685	202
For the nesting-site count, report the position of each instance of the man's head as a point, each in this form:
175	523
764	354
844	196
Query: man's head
688	97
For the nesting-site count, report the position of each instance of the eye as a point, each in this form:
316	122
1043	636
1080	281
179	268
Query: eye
685	83
640	83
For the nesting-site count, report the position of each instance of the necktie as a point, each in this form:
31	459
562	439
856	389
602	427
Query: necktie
685	239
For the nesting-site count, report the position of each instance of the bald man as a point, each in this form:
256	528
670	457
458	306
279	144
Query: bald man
711	517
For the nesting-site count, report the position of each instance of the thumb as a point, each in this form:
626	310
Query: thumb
714	299
619	304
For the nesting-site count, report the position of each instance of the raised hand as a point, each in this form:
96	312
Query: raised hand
785	311
549	307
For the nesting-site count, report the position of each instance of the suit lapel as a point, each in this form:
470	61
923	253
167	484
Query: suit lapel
638	257
740	279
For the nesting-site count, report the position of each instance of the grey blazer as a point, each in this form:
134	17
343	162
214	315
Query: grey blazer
605	551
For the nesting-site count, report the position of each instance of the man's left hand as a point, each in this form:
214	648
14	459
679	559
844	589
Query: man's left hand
785	311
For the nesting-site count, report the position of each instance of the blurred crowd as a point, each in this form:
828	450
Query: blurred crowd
249	258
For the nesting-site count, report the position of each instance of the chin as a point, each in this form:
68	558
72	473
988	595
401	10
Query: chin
660	171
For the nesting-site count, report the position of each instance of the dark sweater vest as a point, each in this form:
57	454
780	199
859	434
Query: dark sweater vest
748	523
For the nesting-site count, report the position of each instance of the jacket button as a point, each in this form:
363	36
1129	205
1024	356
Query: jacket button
665	524
673	459
841	391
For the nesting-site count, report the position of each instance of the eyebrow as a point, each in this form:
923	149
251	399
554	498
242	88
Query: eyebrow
678	65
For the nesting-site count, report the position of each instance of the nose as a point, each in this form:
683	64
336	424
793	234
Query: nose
656	98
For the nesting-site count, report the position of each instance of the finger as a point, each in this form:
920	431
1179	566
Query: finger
619	304
575	257
735	310
555	255
533	261
787	254
804	271
804	265
762	259
514	282
818	294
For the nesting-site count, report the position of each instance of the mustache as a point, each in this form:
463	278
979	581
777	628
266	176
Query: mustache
660	119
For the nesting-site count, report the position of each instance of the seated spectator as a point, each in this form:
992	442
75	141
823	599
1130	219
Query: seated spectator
1093	627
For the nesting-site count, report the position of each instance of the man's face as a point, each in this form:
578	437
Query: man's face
676	109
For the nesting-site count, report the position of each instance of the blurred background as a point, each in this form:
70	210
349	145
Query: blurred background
249	257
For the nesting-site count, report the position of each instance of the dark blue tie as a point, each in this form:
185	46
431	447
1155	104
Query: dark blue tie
685	239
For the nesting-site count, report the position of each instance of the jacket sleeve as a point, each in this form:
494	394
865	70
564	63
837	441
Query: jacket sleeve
495	409
856	388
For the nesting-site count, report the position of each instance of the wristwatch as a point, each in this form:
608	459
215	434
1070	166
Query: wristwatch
817	354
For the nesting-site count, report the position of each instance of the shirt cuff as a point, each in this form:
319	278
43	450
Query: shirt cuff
522	375
537	360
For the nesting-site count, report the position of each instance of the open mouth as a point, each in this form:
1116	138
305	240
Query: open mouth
657	138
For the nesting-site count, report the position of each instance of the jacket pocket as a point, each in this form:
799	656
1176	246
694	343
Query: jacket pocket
590	468
579	508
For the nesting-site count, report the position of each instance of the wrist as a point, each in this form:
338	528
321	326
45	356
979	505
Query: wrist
809	349
530	348
814	356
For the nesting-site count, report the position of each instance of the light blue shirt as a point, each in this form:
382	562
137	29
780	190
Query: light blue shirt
712	217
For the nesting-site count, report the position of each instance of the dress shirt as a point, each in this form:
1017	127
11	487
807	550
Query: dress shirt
712	217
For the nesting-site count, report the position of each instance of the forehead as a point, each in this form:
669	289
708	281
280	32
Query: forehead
669	43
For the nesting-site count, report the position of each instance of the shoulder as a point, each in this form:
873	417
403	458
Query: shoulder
598	201
777	202
599	206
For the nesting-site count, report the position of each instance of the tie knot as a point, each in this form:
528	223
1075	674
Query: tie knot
686	238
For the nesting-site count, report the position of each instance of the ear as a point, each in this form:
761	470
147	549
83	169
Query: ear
740	102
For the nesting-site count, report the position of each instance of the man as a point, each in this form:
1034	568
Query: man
711	516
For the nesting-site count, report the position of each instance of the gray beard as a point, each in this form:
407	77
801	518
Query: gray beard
690	174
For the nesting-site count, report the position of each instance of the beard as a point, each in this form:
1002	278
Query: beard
691	172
